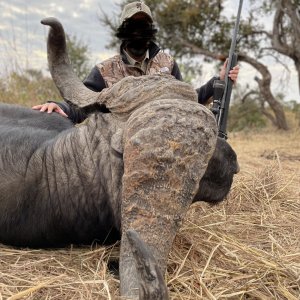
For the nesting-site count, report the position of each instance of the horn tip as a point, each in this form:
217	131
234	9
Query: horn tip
49	21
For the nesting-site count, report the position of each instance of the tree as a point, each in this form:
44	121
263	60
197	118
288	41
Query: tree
285	35
197	27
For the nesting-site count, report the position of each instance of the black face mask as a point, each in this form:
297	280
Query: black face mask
137	47
137	35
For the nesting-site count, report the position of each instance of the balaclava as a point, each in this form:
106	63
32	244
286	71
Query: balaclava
136	33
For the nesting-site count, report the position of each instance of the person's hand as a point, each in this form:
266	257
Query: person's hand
233	74
50	107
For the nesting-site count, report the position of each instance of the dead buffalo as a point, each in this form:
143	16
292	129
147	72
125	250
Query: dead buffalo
130	174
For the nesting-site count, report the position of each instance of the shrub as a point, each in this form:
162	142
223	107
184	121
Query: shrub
245	115
29	88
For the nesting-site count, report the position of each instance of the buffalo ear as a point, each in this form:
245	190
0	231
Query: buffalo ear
218	177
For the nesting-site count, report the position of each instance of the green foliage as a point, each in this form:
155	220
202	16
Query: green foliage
29	88
79	56
189	70
200	23
196	21
245	115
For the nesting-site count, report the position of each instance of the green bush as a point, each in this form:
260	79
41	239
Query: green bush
245	115
29	88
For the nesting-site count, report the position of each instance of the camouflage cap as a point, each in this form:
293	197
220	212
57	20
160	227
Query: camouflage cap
134	8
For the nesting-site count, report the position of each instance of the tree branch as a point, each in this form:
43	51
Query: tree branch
197	50
251	92
276	40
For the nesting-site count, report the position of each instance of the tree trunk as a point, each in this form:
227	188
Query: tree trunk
264	84
279	121
297	65
287	44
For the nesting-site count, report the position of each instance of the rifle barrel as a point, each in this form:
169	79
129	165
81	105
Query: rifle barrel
232	60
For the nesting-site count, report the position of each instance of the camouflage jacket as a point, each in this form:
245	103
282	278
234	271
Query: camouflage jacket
112	70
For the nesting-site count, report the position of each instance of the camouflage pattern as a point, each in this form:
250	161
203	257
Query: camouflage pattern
114	69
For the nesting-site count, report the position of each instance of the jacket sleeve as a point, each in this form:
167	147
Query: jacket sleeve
95	82
176	72
205	92
75	114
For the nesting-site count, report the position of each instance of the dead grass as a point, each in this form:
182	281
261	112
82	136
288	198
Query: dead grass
246	248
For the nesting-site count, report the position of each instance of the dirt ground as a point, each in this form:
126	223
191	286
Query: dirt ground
256	149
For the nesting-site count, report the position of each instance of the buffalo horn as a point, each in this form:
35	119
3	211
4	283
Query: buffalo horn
69	85
151	284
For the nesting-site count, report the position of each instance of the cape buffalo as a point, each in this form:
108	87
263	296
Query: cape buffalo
130	174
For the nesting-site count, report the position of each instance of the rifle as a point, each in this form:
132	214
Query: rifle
223	89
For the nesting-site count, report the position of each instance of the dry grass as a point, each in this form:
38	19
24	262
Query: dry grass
246	248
